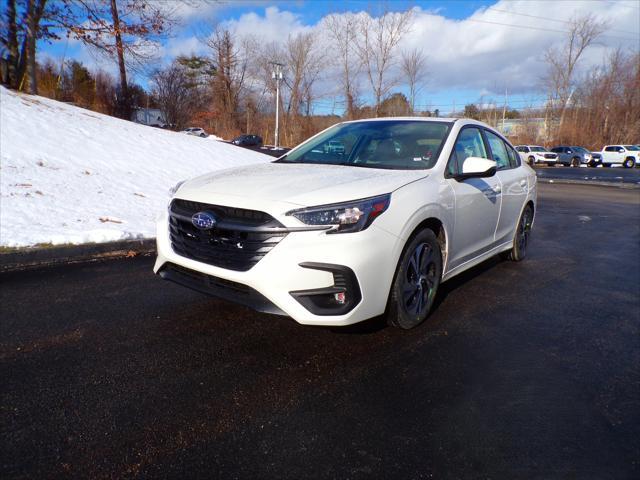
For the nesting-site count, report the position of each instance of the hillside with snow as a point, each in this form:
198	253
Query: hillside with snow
70	175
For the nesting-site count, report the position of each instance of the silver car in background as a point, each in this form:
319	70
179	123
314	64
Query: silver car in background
573	156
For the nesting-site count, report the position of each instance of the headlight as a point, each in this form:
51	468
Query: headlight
348	217
174	189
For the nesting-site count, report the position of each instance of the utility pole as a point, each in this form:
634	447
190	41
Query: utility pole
277	75
504	108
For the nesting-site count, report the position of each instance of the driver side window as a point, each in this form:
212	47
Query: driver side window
468	144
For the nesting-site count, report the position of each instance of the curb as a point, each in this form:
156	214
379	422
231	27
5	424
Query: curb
28	258
628	186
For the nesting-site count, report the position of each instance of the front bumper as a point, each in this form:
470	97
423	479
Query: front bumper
275	283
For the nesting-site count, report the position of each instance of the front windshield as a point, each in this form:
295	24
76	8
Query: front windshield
391	144
538	149
633	148
580	150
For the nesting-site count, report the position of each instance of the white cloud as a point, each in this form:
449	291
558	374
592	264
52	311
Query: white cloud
183	46
275	26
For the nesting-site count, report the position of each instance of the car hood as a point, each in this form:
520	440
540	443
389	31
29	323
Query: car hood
296	184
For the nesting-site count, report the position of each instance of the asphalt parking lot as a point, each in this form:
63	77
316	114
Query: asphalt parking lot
527	370
599	174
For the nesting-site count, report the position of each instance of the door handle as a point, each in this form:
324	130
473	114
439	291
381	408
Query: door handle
496	189
523	183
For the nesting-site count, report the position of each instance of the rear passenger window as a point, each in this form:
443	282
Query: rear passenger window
514	158
498	150
468	144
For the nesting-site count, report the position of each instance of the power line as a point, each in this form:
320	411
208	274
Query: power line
527	27
568	22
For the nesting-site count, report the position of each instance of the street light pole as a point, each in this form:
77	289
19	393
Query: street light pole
277	75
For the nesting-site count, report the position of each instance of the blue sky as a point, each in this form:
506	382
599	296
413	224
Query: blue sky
476	50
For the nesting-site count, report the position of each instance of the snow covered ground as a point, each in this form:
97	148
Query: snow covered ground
70	175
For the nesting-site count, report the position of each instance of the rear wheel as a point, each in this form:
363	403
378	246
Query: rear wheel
629	163
521	238
416	282
606	165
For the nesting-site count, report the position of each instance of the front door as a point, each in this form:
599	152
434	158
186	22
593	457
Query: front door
477	201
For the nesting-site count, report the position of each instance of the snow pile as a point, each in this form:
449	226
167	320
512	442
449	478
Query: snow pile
70	175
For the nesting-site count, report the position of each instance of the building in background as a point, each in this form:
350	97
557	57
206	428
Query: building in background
149	116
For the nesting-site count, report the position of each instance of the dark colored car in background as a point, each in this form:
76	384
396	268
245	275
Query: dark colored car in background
573	156
248	141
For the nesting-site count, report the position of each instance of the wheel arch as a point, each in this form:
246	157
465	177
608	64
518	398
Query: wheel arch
437	226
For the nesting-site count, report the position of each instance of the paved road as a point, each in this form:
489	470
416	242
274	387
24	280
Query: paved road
527	370
600	174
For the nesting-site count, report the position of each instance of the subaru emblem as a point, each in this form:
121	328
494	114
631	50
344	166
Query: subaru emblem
203	220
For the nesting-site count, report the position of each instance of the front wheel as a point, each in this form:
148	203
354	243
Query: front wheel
629	163
606	165
575	162
416	282
532	161
521	238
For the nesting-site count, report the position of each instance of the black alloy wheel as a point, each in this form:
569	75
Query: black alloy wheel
575	162
521	238
416	282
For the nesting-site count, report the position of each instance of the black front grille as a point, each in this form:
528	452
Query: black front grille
240	239
550	155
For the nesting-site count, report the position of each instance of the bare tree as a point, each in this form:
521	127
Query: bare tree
342	29
20	30
175	92
230	59
561	62
124	31
413	64
377	41
303	61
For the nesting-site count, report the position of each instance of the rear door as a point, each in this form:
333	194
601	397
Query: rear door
477	201
514	185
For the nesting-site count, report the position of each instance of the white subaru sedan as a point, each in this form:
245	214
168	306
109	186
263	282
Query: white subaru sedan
334	236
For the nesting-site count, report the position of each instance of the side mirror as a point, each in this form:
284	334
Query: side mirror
476	167
569	151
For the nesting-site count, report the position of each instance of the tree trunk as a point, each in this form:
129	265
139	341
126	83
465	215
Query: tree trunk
124	106
12	45
32	28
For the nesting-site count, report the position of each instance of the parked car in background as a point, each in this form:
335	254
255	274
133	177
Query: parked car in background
333	236
534	154
248	141
626	155
198	132
573	156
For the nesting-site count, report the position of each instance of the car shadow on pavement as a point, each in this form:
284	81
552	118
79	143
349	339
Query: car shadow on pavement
377	324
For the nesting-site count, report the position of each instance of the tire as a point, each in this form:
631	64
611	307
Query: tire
551	164
629	163
592	164
532	161
575	162
416	281
521	238
606	165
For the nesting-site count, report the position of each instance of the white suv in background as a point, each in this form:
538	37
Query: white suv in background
626	155
533	154
366	218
